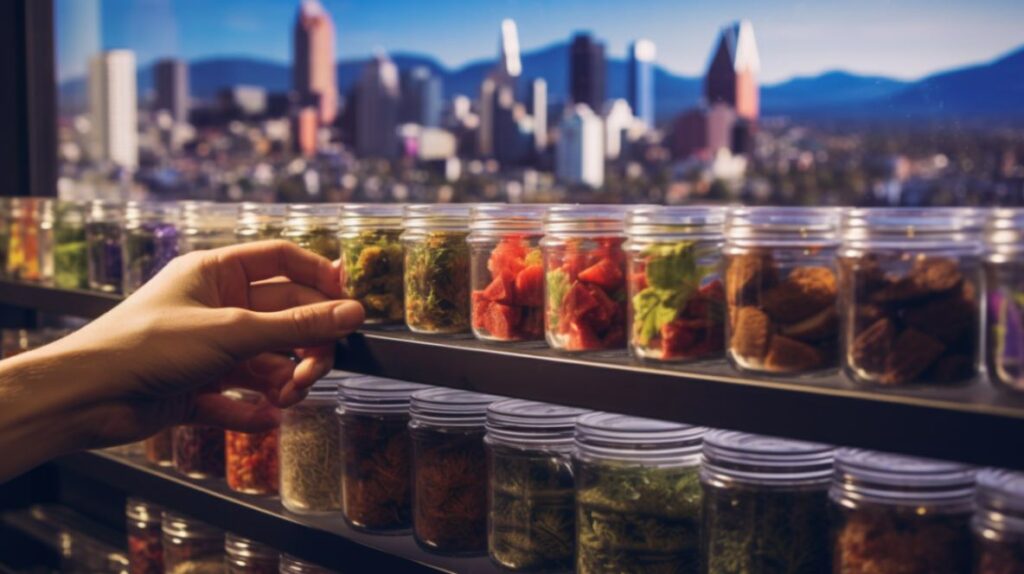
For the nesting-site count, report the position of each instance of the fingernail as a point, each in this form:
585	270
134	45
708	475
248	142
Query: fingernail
348	316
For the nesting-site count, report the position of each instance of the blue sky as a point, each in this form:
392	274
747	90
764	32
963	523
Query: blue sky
899	38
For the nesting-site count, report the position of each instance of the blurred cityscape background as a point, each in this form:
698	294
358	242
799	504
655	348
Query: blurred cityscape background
877	103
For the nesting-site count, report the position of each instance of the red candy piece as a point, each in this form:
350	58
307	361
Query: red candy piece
502	321
605	273
480	305
501	290
530	286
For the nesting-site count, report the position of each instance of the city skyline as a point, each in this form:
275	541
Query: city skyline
904	40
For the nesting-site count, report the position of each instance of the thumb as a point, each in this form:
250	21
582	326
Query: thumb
298	327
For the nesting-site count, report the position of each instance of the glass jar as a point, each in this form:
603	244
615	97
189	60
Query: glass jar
145	543
103	227
159	448
900	514
6	213
449	470
677	300
191	546
244	556
531	524
909	292
292	565
376	453
23	249
310	451
998	522
1004	297
765	505
259	221
638	495
70	254
251	464
780	285
150	242
314	226
207	226
373	260
585	276
198	451
46	220
507	272
436	268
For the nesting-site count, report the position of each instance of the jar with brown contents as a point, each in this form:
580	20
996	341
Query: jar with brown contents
191	546
780	286
145	540
244	556
900	515
376	484
999	523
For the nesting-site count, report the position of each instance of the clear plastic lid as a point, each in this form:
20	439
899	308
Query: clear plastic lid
919	226
450	407
217	217
304	215
252	214
611	436
142	511
696	220
372	215
524	218
137	213
437	216
237	547
731	456
181	526
292	565
783	225
1004	233
103	211
603	219
870	476
1000	500
327	387
528	423
376	395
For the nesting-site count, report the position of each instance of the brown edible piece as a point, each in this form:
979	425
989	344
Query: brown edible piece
946	319
751	332
936	275
911	354
867	314
898	290
951	369
872	345
789	355
805	292
814	328
746	275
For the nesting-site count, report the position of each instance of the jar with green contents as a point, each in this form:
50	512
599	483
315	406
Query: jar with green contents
531	514
765	505
70	254
150	242
260	221
373	260
437	265
638	495
998	522
314	226
207	226
46	220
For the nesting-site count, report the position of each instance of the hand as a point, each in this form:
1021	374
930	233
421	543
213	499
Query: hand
211	320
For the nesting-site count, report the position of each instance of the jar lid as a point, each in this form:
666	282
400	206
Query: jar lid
521	422
327	386
251	211
783	224
622	437
135	210
906	224
320	214
696	219
357	213
237	546
1001	491
450	407
210	217
901	480
181	526
585	218
370	394
513	217
142	511
760	459
292	565
441	216
103	210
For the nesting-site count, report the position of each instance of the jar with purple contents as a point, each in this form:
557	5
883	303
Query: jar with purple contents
103	226
150	242
198	451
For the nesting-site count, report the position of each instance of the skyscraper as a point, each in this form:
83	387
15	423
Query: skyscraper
580	154
509	64
538	106
732	73
313	71
172	91
618	118
378	94
112	107
421	97
640	89
505	74
587	71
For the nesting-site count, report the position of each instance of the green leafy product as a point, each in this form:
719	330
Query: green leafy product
437	282
320	240
70	252
374	261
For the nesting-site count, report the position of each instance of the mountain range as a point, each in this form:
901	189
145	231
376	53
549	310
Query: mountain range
986	91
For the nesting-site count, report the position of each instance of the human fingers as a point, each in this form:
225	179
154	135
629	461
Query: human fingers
280	295
244	333
263	373
266	259
315	364
215	409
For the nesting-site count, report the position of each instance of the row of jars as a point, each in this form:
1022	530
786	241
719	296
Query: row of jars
163	541
546	488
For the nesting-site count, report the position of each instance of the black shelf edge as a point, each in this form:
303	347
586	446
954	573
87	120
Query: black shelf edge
86	304
324	540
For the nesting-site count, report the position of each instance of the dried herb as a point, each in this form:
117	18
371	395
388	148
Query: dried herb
159	447
104	242
148	247
437	283
70	254
999	556
901	540
586	299
310	457
145	548
199	451
450	491
377	476
748	530
251	462
532	524
320	240
633	518
373	261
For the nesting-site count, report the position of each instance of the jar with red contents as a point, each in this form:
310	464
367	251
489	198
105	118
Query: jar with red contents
507	272
676	294
250	458
159	447
145	541
198	451
585	276
191	546
244	556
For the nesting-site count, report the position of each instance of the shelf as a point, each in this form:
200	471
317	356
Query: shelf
86	304
975	424
325	540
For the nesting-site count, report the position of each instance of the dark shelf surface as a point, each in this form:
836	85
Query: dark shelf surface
325	540
88	304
